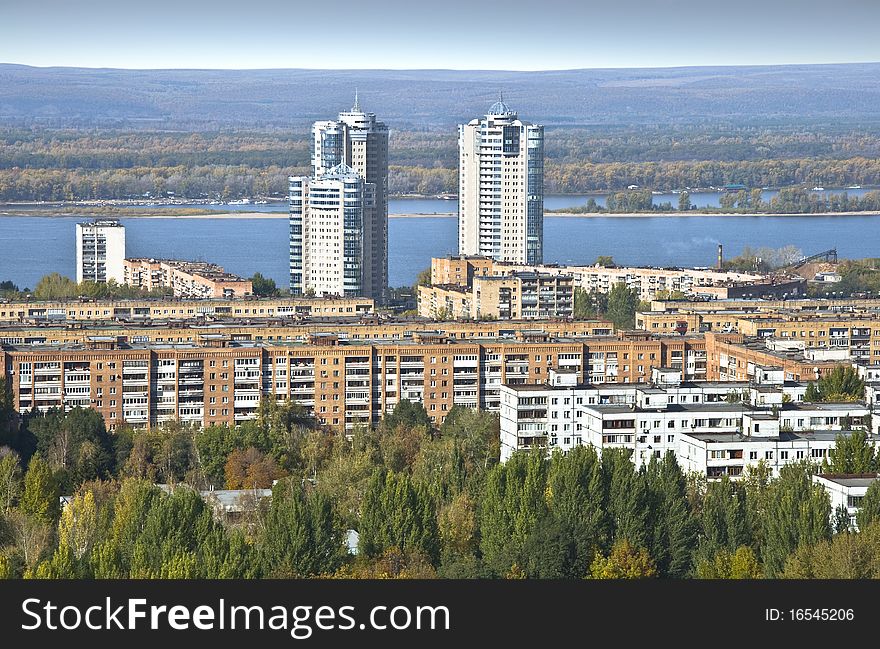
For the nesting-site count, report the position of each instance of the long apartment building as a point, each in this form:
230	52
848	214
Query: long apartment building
734	357
763	305
186	279
714	428
282	329
84	311
649	282
518	296
216	379
857	331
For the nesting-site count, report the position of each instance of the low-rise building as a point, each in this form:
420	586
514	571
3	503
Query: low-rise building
518	296
649	420
846	491
733	357
186	279
93	310
707	283
730	453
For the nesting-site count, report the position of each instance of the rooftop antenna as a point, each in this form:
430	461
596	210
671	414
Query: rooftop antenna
357	104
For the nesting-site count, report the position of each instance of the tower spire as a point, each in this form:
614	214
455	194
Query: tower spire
357	104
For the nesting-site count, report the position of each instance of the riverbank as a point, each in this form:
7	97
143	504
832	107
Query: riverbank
631	215
214	214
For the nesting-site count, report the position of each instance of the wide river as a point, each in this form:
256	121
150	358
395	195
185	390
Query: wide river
31	247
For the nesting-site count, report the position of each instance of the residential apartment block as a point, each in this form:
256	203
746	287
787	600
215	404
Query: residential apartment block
518	296
856	333
218	379
284	329
355	141
327	232
98	311
714	428
733	357
648	282
501	187
100	251
186	279
846	491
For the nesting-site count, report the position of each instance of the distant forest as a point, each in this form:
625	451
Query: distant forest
67	164
68	134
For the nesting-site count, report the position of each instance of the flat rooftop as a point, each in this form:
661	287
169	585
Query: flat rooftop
857	480
806	436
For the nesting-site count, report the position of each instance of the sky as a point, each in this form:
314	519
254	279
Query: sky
453	34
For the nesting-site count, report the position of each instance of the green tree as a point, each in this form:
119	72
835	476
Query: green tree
627	498
606	261
589	305
724	524
841	523
301	535
851	453
10	479
576	525
869	512
424	278
56	287
799	513
408	414
739	564
264	286
397	512
674	527
684	201
625	561
513	504
812	394
173	537
845	556
76	444
622	305
111	557
40	495
841	384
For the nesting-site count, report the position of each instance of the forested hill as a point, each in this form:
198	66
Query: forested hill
431	99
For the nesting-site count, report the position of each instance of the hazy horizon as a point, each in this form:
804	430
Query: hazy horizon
459	35
443	69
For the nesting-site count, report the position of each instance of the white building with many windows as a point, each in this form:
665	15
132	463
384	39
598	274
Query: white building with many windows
357	139
501	187
327	232
689	419
846	491
100	251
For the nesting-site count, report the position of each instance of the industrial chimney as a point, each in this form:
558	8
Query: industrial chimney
720	256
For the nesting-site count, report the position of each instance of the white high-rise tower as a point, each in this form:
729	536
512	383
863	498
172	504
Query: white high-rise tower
501	187
359	141
100	251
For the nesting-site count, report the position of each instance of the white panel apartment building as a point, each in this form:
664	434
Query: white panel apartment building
100	251
501	187
327	232
359	141
693	420
846	491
